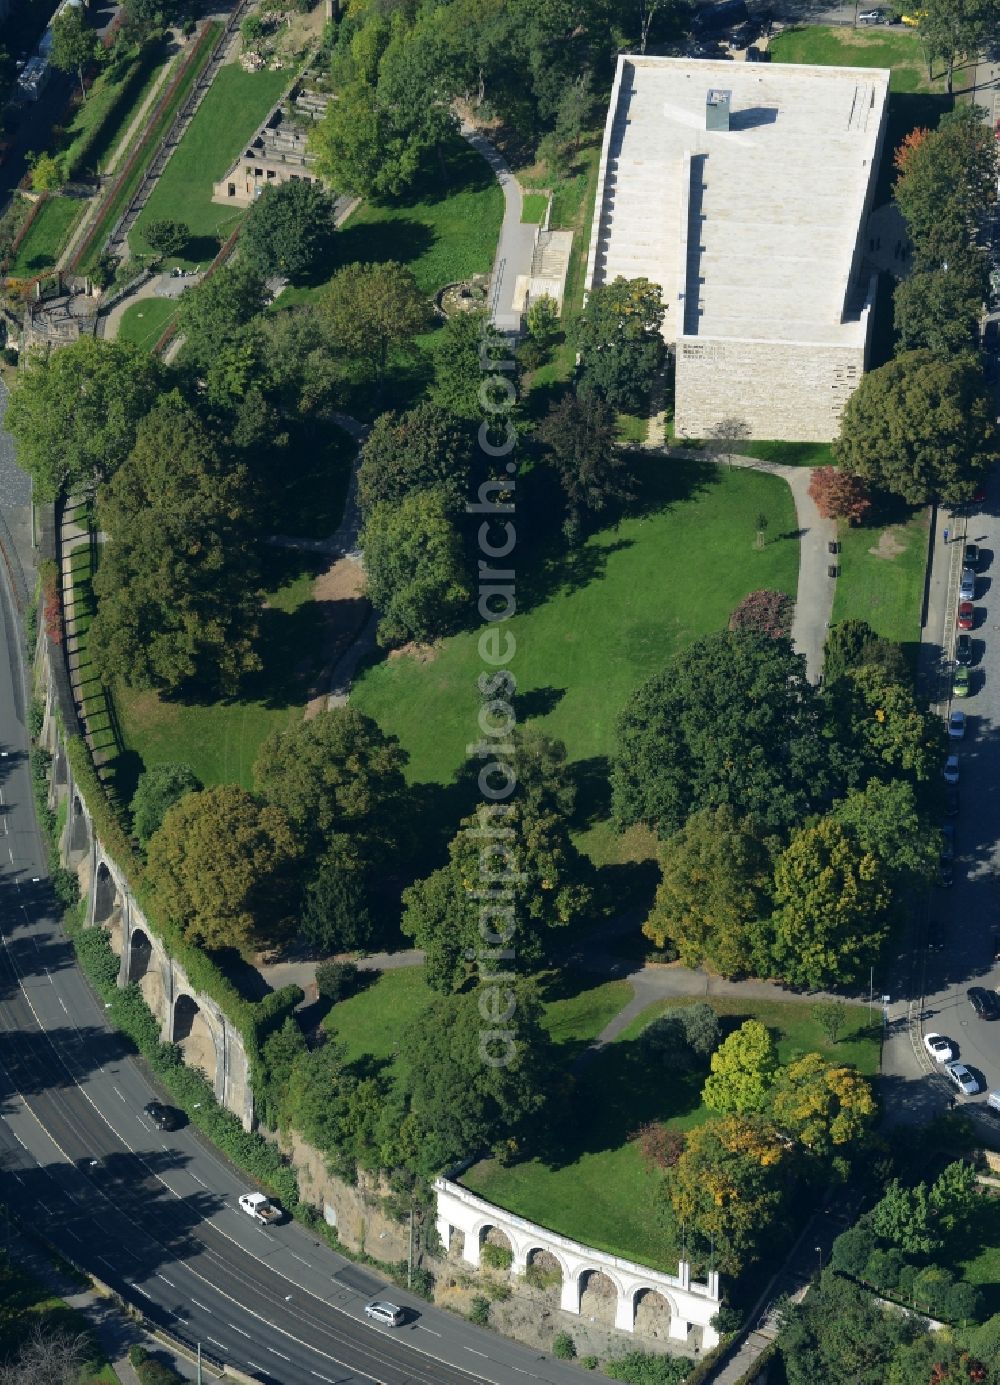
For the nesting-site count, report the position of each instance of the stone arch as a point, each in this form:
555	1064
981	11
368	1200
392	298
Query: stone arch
651	1313
545	1270
107	899
193	1036
79	830
490	1235
143	972
456	1242
599	1295
59	777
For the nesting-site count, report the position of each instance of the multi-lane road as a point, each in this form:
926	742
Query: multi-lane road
155	1216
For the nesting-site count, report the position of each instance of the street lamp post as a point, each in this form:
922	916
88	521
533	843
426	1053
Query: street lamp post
819	1253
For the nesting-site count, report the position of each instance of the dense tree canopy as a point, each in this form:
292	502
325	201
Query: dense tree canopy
618	336
579	435
415	568
336	773
713	892
920	426
74	413
289	230
820	1104
948	181
939	309
731	719
743	1070
167	237
368	309
177	605
218	867
158	789
420	450
74	43
465	360
212	311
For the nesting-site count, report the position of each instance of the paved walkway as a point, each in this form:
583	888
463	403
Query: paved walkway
814	596
516	246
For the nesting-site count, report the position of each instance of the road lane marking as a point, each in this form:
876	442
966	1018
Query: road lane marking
140	1290
115	1089
300	1259
275	1352
427	1329
108	1263
215	1342
321	1377
239	1330
198	1180
478	1353
202	1307
166	1280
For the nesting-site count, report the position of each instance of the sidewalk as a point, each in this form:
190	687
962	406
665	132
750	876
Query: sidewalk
516	246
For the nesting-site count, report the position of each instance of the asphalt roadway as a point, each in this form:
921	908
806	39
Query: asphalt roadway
155	1216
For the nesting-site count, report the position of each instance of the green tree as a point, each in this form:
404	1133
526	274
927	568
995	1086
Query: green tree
839	1332
947	183
852	1250
953	1198
415	568
289	230
74	44
212	311
575	111
478	1068
371	309
618	336
820	1104
939	309
731	719
167	237
954	29
158	789
682	1037
467	358
831	903
888	733
420	450
885	821
831	1016
529	845
542	322
852	643
335	915
712	892
904	1217
580	439
921	427
280	1051
218	867
48	172
161	622
743	1071
728	1186
74	413
336	773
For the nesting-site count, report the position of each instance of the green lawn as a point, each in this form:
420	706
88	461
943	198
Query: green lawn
595	624
789	453
371	1024
111	104
145	322
46	236
533	207
980	1258
596	1187
236	104
898	49
219	740
882	576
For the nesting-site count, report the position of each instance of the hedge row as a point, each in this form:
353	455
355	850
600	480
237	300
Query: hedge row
128	1011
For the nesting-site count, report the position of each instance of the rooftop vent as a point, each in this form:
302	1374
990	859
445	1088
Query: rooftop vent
717	107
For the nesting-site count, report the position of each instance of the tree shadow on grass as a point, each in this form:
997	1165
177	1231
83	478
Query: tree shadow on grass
403	239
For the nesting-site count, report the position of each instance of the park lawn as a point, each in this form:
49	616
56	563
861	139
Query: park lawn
633	429
533	206
597	1188
219	740
979	1260
47	236
788	453
596	623
878	46
236	104
144	323
881	578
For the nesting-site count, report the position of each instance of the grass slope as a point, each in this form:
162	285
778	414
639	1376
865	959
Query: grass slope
236	104
882	576
604	618
898	49
595	1187
143	323
47	235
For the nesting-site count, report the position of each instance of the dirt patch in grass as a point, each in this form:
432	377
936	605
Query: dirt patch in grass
419	653
888	545
339	593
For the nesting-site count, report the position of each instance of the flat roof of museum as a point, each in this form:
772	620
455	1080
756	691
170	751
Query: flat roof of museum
751	230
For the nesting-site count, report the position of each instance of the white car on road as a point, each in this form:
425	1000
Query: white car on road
962	1078
939	1048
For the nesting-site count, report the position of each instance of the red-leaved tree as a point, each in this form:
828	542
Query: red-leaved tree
908	146
767	612
660	1147
838	495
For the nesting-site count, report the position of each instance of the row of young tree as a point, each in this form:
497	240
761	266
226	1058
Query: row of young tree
923	425
791	819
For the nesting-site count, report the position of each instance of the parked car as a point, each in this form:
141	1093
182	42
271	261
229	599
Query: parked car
871	17
946	873
951	773
973	556
962	1078
986	1004
951	801
389	1314
967	591
991	332
163	1117
939	1048
961	683
966	618
963	649
948	841
956	720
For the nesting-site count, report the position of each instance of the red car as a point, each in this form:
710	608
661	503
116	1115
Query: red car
966	615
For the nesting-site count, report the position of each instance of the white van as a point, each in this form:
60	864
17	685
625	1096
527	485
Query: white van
386	1313
993	1102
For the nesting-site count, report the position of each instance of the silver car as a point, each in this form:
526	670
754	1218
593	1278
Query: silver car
967	591
387	1313
962	1078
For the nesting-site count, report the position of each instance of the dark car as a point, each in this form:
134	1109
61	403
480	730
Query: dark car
758	55
973	556
951	800
991	335
985	1003
163	1117
963	650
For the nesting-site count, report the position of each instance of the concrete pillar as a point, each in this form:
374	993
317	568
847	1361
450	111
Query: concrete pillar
520	1262
684	1273
470	1253
713	1285
444	1232
624	1315
569	1298
679	1328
